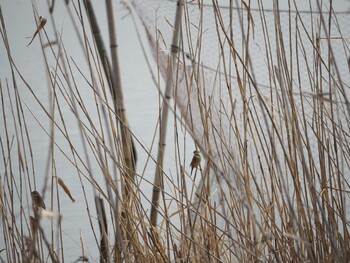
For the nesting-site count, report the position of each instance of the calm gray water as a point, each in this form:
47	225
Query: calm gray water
142	103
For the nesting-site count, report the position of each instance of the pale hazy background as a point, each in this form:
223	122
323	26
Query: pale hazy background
141	95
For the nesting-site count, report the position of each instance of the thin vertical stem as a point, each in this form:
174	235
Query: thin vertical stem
158	178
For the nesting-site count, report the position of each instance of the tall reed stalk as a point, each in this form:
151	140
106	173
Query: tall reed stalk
158	186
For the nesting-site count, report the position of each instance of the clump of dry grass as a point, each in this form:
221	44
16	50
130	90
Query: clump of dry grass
274	186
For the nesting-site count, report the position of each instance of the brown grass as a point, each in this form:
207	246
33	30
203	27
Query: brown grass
274	183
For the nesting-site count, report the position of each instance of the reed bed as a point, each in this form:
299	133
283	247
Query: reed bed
273	185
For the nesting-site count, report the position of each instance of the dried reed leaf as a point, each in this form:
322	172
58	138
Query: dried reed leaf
42	21
65	189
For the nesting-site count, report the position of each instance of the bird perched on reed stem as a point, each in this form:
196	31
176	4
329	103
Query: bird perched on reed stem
37	200
196	160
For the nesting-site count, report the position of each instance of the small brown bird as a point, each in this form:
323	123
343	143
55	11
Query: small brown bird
196	160
37	200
